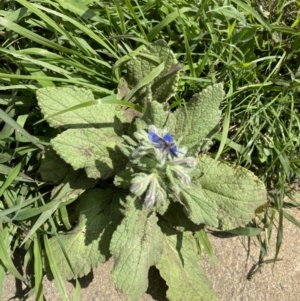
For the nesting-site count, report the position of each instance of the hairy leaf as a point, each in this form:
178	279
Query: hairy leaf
53	100
136	246
236	191
93	149
198	207
181	269
87	245
164	86
199	119
155	114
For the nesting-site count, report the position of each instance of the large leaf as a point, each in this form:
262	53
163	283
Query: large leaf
53	100
136	246
93	131
181	269
164	86
93	149
87	245
236	191
199	119
199	208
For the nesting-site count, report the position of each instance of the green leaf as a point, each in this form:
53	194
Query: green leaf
146	80
202	240
54	269
176	217
52	100
98	219
19	129
92	137
38	267
200	119
136	246
2	279
180	267
198	207
246	231
78	8
53	168
123	178
236	191
6	258
164	85
157	115
93	149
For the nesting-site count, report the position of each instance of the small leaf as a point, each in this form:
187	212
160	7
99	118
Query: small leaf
136	245
93	149
155	114
200	119
180	267
164	85
98	219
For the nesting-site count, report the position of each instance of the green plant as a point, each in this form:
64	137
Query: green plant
252	49
162	191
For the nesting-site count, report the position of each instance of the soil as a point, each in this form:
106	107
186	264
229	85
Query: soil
235	257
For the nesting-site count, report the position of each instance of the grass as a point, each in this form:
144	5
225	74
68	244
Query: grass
252	48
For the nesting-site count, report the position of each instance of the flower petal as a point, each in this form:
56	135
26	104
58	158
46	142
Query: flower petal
168	138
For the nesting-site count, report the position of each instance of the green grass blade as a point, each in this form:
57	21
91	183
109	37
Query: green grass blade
11	177
250	10
166	20
145	81
5	256
19	129
202	237
55	271
35	37
40	221
82	27
78	82
135	17
2	278
246	231
17	208
38	268
290	218
226	124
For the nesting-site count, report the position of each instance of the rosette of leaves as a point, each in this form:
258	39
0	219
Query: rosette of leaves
119	221
217	194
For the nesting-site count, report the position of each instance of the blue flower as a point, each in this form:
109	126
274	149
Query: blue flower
165	143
